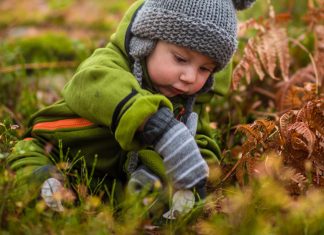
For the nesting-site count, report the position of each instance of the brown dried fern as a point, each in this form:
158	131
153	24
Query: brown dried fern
267	52
256	143
300	141
285	120
281	45
263	52
306	83
303	139
315	14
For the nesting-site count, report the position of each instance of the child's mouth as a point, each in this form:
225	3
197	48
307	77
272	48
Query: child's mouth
177	91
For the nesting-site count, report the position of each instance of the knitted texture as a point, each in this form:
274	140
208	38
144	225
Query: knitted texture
162	121
140	48
181	157
175	142
206	26
192	123
157	125
142	178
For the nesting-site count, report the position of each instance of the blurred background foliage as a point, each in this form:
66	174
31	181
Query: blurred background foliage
41	44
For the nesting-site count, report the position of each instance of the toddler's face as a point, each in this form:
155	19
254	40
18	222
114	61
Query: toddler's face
176	70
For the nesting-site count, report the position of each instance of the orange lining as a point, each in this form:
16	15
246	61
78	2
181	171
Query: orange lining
61	124
28	139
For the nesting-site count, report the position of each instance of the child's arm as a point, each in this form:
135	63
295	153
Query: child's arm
104	91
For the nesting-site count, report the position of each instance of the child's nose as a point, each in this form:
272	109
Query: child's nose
189	76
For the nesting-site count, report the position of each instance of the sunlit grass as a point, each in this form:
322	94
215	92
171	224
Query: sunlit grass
263	206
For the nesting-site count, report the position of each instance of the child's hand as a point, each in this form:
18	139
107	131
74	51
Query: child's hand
180	152
50	191
143	179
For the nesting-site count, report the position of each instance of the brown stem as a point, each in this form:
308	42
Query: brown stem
44	65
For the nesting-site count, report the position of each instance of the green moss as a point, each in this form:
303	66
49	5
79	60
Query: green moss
48	47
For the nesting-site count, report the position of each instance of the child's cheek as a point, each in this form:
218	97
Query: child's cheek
196	87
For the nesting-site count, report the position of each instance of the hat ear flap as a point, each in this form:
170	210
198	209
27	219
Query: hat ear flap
242	4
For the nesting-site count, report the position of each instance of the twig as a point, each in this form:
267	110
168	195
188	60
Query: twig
265	114
264	92
12	114
232	170
296	42
44	65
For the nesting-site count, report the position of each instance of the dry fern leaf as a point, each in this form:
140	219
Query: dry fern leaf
294	93
249	24
262	52
282	50
301	137
240	173
285	121
315	13
243	68
252	57
249	145
319	51
300	180
292	98
240	70
266	125
267	53
248	130
315	115
290	94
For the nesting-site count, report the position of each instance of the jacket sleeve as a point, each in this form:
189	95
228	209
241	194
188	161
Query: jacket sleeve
104	90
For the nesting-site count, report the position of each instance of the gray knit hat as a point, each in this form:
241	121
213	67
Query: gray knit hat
206	26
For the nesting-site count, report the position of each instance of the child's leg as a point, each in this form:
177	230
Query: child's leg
30	162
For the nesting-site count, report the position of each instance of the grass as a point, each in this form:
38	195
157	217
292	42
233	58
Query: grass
263	206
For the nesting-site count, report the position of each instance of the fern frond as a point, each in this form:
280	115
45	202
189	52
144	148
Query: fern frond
282	50
315	115
285	120
240	173
319	51
252	57
292	98
248	130
267	53
266	125
301	137
289	93
243	68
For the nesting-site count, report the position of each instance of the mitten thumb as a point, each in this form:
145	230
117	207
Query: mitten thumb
192	123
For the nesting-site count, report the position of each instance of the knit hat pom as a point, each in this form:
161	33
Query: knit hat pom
242	4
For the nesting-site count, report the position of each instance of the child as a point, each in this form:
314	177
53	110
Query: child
128	110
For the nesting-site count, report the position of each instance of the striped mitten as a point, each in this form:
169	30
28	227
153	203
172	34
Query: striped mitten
175	143
143	179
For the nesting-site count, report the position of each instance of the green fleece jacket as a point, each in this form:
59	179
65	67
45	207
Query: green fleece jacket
102	108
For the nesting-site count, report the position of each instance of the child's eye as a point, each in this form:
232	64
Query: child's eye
205	69
180	59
